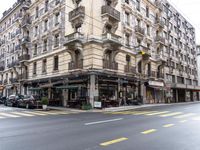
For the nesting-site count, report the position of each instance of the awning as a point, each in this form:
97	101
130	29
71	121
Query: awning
157	87
156	84
35	89
67	87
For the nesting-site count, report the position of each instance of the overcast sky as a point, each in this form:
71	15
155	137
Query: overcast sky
189	9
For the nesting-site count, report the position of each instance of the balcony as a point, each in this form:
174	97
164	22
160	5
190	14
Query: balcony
159	5
26	22
160	40
112	39
110	13
25	40
13	80
5	81
160	23
74	40
152	74
160	57
13	64
24	57
17	47
110	65
23	76
2	68
130	69
26	5
77	16
139	31
160	75
78	65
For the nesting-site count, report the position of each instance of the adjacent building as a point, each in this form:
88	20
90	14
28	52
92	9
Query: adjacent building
106	52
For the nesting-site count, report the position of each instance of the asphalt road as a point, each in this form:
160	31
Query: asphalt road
157	128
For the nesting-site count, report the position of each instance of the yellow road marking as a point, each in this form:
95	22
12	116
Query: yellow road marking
168	125
182	121
8	115
171	114
144	112
113	141
22	114
157	113
185	116
149	131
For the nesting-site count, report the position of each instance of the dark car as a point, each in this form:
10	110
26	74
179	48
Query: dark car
2	100
13	100
29	101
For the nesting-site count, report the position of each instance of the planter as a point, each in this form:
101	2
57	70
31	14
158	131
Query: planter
44	107
27	106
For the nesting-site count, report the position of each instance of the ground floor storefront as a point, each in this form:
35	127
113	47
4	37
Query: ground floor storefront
184	95
102	90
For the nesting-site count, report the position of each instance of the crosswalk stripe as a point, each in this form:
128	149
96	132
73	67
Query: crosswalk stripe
157	113
8	115
196	118
35	113
185	116
171	114
48	113
183	121
22	114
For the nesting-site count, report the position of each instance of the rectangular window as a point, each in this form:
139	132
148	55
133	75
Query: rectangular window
127	18
35	49
45	25
36	12
34	68
56	40
147	11
148	30
55	63
36	30
138	5
46	5
44	66
45	45
57	18
127	37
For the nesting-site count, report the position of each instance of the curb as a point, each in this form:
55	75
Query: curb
123	108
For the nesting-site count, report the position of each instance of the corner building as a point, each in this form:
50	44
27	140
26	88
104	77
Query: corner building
108	51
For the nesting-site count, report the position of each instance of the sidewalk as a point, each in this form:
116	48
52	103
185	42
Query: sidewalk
122	108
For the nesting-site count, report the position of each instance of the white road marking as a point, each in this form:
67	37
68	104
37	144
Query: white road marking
8	115
22	114
103	121
185	116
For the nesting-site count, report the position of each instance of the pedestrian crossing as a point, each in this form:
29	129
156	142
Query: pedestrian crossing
18	114
162	114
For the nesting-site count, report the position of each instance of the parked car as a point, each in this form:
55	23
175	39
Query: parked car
2	100
13	100
29	101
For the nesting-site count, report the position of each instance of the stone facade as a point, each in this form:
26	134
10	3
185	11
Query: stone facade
109	51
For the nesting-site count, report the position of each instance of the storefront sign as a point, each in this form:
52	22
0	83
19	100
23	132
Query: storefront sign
156	83
97	104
